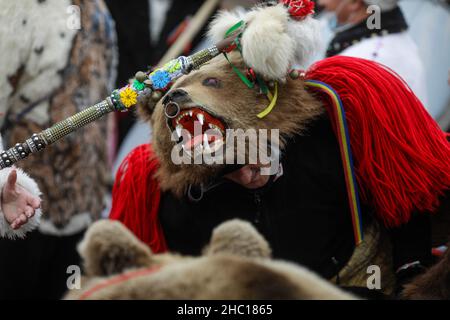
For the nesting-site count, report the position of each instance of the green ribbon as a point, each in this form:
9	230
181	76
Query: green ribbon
262	85
242	76
239	25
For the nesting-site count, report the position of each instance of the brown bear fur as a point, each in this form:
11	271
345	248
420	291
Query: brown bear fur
235	265
433	284
237	105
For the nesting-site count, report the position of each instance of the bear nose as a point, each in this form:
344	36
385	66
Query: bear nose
178	96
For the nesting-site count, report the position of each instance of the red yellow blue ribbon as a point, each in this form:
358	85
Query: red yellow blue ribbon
338	116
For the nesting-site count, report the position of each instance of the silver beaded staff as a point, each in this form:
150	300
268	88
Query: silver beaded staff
158	81
39	141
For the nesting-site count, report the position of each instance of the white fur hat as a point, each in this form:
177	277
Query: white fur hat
384	5
274	38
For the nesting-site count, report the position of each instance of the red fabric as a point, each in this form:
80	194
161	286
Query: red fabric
136	197
401	156
299	9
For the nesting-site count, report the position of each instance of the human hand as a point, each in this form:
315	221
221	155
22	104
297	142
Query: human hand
249	176
18	205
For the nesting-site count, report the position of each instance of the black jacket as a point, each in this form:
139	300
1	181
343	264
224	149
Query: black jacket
304	214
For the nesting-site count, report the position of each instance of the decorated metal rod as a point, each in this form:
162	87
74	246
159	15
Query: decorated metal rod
156	82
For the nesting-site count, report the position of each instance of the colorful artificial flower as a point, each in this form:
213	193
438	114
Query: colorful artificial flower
173	66
128	97
160	79
139	86
299	9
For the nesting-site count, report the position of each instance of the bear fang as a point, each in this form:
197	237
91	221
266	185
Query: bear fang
194	310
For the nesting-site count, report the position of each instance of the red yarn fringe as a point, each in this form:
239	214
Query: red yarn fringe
401	156
136	197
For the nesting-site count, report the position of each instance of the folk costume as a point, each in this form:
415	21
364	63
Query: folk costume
389	44
374	158
50	70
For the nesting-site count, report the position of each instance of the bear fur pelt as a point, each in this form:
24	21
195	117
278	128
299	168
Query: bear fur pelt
433	284
235	265
239	113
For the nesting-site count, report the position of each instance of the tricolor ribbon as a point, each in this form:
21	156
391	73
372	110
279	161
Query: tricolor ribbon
337	113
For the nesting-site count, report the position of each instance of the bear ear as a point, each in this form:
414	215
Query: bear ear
266	45
307	39
274	40
221	23
109	248
240	238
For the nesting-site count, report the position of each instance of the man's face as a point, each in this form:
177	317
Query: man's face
342	8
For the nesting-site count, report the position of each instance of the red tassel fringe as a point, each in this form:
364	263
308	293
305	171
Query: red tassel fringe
401	156
136	197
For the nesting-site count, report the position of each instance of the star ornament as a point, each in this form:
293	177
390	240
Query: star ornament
299	9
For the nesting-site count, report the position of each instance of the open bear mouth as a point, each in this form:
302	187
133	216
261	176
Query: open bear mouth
198	130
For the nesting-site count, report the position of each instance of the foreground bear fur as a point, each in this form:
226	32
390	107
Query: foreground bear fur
235	265
433	284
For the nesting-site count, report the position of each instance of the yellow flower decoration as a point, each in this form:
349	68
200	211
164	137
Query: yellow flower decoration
128	97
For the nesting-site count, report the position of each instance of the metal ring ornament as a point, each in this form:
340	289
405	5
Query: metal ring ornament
168	113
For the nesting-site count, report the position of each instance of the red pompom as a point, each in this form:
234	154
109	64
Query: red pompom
299	9
136	197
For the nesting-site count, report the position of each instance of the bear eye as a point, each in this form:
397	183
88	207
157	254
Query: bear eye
211	82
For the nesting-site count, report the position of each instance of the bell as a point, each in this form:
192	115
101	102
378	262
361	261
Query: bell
141	76
294	74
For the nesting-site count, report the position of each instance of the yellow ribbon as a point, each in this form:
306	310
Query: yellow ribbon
273	101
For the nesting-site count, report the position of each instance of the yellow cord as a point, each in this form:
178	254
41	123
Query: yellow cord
273	101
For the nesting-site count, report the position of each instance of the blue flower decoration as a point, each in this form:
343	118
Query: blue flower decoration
160	79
